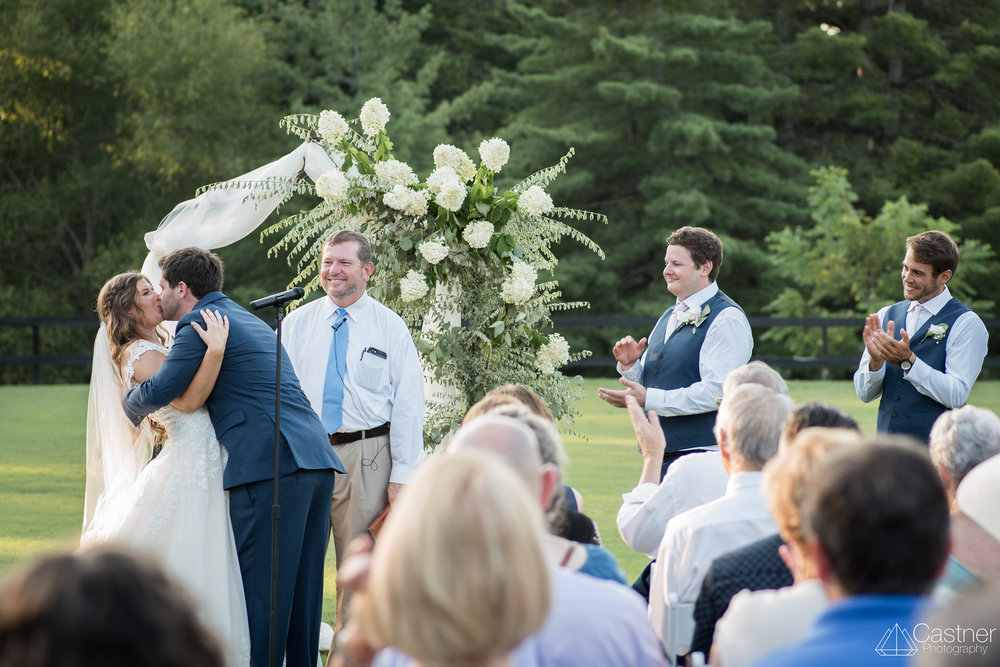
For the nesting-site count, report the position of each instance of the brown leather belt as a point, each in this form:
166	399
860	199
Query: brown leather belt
353	436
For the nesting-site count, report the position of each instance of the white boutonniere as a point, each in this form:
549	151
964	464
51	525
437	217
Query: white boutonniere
936	331
695	317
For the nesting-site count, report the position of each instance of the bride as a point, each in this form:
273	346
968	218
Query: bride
172	507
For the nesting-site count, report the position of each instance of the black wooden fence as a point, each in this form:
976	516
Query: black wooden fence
640	325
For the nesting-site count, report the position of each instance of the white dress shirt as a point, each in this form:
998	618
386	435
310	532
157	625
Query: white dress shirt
697	537
690	481
964	353
728	345
377	390
760	622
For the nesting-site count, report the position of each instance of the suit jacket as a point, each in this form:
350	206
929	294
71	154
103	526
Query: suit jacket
242	404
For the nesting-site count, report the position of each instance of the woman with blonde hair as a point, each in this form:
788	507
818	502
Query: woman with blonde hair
458	577
173	507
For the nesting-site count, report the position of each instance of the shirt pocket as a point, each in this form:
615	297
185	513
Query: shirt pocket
373	370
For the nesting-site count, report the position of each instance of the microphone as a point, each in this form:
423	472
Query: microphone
278	299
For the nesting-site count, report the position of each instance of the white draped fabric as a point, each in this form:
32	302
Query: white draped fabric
223	216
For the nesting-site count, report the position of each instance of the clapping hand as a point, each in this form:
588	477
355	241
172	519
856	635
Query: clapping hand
873	329
882	346
616	397
216	331
648	432
892	350
627	351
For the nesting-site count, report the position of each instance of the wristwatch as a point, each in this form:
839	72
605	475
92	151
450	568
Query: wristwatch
905	365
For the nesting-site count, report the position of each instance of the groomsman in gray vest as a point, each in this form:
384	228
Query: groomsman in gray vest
693	347
921	354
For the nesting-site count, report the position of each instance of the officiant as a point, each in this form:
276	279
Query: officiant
692	348
359	368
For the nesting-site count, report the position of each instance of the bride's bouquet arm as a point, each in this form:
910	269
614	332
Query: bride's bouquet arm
172	379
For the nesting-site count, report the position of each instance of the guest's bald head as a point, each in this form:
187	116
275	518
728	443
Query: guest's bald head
507	437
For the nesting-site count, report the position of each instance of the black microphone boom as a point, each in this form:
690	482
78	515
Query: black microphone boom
278	299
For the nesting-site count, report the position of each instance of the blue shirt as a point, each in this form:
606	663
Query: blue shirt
860	631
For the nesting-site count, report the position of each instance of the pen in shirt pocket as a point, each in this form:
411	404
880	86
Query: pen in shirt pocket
375	351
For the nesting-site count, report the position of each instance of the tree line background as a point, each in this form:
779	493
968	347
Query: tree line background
812	136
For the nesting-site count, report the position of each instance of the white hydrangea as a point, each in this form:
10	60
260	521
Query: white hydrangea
332	126
332	185
396	172
535	201
374	116
520	284
494	153
553	354
411	202
413	286
433	251
451	195
478	234
446	155
439	177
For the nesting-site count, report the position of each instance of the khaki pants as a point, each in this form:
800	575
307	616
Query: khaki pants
358	496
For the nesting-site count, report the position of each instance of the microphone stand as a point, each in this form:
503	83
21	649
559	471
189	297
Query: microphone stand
275	507
278	301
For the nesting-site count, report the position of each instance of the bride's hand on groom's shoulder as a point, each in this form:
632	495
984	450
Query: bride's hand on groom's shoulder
216	330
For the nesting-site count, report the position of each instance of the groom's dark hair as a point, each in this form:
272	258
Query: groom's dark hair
199	269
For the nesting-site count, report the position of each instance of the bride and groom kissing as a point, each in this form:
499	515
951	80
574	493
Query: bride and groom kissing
175	506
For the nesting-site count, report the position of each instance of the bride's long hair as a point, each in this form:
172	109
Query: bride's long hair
116	308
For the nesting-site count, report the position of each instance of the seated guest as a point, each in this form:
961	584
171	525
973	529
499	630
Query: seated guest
877	524
960	440
442	588
747	431
591	623
534	462
692	480
757	566
565	513
761	621
99	607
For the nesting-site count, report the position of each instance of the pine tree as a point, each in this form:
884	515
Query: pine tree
670	109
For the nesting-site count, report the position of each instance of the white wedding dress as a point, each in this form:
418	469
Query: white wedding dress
177	512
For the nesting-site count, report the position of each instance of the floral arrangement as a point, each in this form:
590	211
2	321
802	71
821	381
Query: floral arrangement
463	262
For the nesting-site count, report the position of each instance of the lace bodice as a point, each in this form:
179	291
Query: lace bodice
190	435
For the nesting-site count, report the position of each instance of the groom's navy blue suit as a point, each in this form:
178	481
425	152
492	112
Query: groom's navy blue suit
242	410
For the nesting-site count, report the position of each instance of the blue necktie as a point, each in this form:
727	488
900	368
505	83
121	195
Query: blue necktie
336	371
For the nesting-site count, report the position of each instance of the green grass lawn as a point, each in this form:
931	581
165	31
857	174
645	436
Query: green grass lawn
42	445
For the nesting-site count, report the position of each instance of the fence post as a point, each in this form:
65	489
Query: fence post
36	350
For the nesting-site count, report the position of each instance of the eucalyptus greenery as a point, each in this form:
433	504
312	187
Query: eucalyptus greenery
468	290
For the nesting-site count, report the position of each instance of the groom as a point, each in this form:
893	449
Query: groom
242	410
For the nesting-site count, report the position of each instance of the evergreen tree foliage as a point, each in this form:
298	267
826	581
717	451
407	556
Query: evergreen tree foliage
669	109
847	264
905	94
104	126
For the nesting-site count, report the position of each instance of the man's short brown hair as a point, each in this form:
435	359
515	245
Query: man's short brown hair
934	248
703	245
349	235
880	515
199	269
